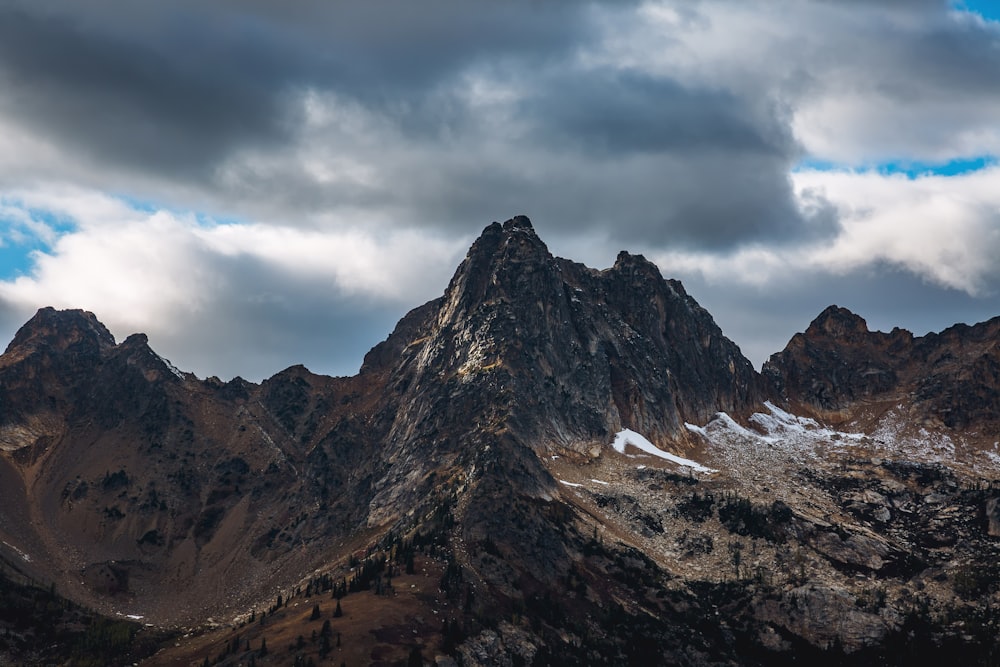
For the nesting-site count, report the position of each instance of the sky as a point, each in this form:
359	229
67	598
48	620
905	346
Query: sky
256	184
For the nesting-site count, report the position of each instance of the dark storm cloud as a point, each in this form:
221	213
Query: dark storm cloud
185	90
116	96
180	86
177	90
689	200
616	113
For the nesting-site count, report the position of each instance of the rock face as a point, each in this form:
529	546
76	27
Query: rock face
576	354
838	364
478	436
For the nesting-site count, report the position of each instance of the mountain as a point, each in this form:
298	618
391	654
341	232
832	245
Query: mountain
549	464
948	378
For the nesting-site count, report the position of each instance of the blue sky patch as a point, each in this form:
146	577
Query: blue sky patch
988	9
18	242
908	168
203	219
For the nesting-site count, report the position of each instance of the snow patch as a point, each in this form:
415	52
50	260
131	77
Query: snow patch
25	557
573	484
895	436
777	439
599	482
781	424
173	369
628	437
779	428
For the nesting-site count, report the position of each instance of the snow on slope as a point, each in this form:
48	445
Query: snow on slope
781	429
628	437
779	439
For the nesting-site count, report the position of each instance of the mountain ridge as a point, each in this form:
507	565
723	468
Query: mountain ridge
482	429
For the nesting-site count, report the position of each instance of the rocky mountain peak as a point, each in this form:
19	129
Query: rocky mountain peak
58	331
837	322
499	264
571	354
626	261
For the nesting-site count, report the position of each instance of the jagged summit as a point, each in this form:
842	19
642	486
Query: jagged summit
518	222
497	266
60	330
839	322
575	354
952	377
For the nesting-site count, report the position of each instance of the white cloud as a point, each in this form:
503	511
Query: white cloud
393	268
945	229
182	280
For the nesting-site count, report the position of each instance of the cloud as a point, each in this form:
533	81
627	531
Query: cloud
434	117
227	299
943	229
336	158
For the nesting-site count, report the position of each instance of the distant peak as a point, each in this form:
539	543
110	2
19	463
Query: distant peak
835	321
59	329
625	258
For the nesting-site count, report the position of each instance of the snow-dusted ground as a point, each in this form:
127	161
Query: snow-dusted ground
895	436
628	437
25	557
778	439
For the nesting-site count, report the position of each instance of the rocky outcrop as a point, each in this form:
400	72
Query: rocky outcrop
838	361
570	354
837	364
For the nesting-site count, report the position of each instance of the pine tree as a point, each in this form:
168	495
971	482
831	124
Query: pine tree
338	612
263	647
315	613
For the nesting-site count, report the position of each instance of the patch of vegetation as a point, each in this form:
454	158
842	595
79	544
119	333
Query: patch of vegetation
973	581
697	507
113	481
743	517
38	626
